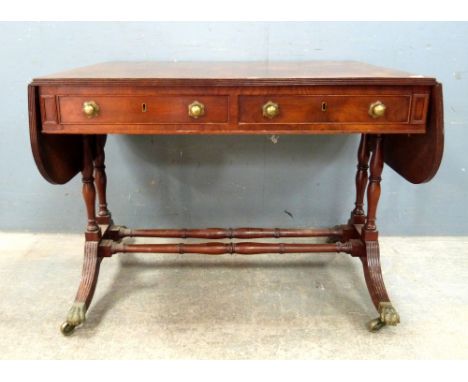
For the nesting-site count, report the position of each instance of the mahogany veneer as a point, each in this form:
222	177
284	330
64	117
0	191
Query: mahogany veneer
399	117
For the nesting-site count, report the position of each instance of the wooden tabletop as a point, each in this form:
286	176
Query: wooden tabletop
268	72
316	97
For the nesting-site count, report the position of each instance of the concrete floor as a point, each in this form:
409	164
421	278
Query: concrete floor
233	307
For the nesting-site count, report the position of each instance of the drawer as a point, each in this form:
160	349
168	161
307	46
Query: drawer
128	109
301	109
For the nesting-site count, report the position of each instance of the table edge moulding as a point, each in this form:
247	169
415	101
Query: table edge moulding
399	117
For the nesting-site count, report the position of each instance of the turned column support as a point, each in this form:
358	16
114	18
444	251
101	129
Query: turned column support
100	180
373	189
357	215
89	191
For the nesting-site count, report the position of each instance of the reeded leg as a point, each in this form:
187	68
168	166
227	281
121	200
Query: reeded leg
77	313
357	215
375	284
89	276
103	216
371	260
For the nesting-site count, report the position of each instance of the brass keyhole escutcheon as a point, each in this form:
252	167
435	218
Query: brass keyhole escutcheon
270	109
196	109
377	109
90	109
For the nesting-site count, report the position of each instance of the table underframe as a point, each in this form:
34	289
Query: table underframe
358	237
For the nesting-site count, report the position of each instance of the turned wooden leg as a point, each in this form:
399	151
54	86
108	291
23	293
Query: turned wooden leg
89	276
371	259
103	215
357	215
373	189
89	192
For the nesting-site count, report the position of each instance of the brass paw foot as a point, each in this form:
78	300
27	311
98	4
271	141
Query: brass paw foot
387	316
76	316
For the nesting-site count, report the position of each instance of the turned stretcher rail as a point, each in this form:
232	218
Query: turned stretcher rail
231	233
242	248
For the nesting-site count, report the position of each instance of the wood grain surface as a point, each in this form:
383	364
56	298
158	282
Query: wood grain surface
234	72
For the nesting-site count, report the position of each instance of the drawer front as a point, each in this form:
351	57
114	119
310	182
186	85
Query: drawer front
170	109
306	109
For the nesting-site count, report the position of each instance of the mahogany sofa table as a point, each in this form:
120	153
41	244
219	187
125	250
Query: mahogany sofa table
399	117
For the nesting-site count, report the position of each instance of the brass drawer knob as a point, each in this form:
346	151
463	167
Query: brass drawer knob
90	109
377	109
196	109
270	109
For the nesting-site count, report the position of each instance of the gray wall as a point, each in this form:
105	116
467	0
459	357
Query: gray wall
232	181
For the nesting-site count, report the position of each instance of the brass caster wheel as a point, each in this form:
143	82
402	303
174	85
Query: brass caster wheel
375	325
67	329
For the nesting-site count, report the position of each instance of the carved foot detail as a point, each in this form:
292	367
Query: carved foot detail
76	316
387	316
